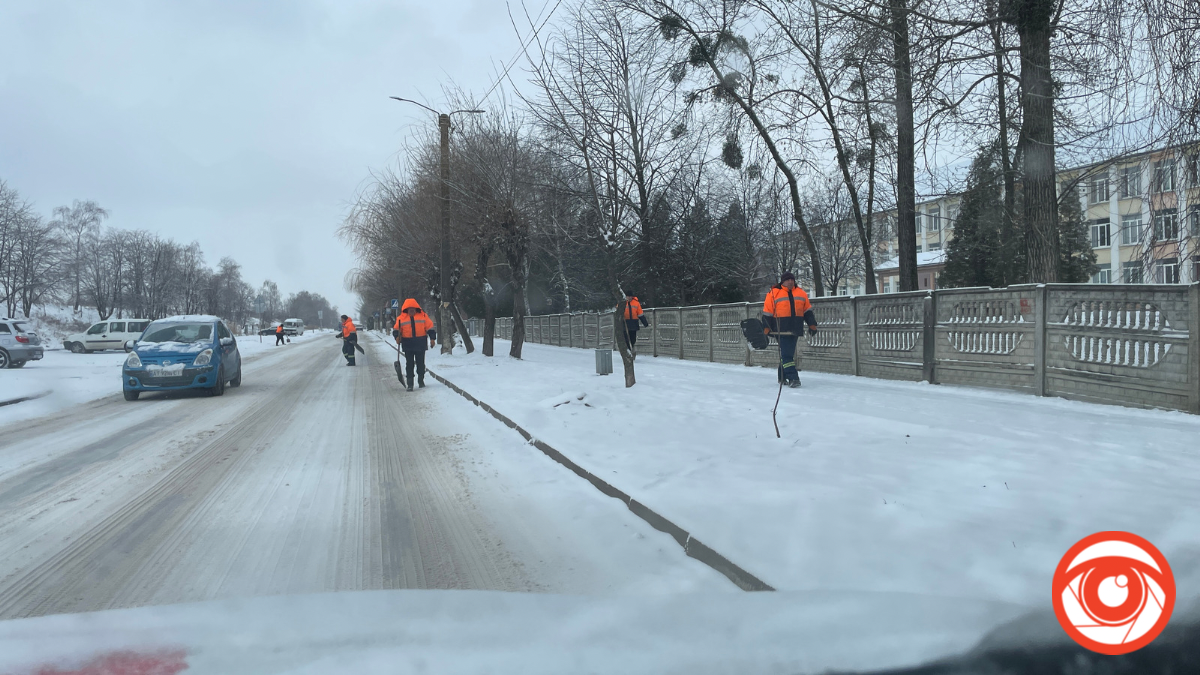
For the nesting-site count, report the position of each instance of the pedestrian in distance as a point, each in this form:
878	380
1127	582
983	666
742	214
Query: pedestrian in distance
279	335
415	333
635	318
785	311
349	337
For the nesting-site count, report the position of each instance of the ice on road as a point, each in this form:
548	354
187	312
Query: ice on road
309	477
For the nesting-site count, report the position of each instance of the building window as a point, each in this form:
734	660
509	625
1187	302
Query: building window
918	222
1193	164
1131	229
935	246
951	217
1164	175
1194	217
887	285
1100	233
935	219
1166	225
1130	182
924	281
1167	271
1103	276
920	248
1098	188
1131	272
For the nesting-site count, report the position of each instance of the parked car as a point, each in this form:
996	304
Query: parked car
111	334
293	327
182	352
18	344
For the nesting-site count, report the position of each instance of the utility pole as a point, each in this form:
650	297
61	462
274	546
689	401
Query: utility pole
445	319
447	322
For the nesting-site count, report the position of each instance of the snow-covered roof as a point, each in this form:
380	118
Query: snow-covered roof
924	259
204	318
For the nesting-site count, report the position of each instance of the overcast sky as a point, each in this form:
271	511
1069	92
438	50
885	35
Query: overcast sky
246	126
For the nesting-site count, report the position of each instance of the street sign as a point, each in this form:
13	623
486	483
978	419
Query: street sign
376	314
395	303
320	314
259	303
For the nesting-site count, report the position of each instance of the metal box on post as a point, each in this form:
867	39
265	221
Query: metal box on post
604	362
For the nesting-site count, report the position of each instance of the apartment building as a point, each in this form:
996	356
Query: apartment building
1143	214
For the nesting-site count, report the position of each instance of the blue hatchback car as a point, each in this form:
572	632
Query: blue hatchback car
182	352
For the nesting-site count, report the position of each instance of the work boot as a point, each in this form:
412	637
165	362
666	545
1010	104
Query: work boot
410	388
421	381
794	384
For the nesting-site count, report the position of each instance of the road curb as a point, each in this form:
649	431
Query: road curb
692	546
22	399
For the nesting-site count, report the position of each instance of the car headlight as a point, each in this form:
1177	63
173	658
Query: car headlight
134	361
203	358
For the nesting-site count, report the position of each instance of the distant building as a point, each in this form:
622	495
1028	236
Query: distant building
929	267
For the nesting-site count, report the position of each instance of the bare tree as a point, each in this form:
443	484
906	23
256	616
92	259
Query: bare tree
79	225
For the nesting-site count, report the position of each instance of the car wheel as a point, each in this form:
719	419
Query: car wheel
4	361
237	379
75	348
219	388
131	395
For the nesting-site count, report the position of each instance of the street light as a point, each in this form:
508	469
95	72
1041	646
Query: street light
446	321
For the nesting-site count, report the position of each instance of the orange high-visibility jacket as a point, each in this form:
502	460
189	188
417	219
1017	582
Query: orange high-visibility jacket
348	328
633	310
788	307
279	328
417	325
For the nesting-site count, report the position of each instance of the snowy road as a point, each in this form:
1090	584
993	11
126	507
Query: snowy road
310	477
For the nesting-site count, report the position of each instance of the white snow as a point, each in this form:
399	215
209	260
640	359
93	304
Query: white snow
875	485
451	632
71	379
924	258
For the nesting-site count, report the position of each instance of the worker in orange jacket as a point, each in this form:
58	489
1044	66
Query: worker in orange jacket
412	329
279	335
349	336
785	311
635	318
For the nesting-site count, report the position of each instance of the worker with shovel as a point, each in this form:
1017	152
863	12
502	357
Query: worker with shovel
412	329
349	337
785	311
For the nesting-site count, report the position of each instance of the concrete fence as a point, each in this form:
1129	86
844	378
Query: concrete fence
1133	345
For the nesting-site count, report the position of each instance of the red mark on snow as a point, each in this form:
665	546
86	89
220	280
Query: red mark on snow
125	663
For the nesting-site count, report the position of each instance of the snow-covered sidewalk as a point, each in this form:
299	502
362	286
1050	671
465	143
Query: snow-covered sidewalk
875	485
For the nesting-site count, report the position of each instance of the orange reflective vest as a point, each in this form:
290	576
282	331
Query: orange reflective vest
348	328
788	306
633	310
413	325
279	328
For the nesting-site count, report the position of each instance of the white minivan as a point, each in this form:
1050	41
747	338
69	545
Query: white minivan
111	334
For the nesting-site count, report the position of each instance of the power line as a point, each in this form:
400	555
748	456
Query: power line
521	51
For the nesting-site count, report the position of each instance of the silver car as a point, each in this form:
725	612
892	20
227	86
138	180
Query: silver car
18	344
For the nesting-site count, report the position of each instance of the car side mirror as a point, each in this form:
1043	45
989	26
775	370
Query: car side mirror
130	345
225	342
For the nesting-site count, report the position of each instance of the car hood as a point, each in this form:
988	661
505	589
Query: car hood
476	631
170	348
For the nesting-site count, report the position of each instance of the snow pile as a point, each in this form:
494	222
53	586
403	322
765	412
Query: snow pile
53	323
874	485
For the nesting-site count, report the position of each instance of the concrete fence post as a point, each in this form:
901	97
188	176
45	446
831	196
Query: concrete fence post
1193	375
749	352
680	333
712	332
929	340
654	332
1040	338
852	322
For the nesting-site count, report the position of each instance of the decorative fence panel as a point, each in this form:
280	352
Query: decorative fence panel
986	337
1130	346
830	350
891	340
1133	345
